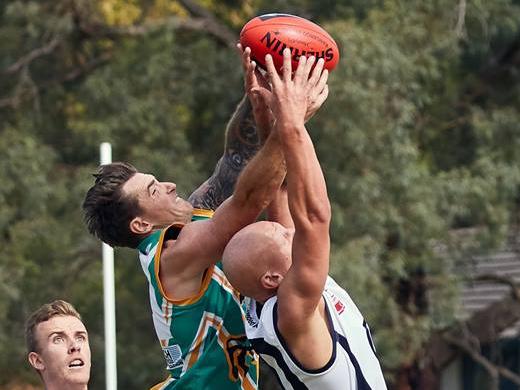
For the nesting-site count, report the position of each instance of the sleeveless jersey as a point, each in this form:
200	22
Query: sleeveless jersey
353	364
202	337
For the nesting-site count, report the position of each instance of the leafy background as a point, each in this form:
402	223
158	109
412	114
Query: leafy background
419	138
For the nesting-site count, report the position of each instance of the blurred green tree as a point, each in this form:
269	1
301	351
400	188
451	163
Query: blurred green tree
418	138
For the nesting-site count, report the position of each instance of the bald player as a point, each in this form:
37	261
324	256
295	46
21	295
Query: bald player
298	319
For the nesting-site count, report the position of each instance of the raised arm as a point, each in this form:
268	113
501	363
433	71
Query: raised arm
245	134
278	209
300	291
201	244
241	144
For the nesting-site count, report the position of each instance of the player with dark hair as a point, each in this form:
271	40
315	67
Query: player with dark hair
57	346
300	321
196	312
109	209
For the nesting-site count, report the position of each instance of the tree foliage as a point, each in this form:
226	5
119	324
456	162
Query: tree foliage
419	137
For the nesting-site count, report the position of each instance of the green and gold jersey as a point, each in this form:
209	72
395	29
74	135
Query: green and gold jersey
202	337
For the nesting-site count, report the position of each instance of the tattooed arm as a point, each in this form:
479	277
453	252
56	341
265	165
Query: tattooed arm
242	142
247	130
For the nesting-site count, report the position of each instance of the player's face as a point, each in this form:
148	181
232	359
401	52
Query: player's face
159	202
64	353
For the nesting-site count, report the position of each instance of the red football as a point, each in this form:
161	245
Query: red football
271	33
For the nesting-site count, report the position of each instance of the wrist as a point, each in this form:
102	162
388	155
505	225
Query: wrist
290	126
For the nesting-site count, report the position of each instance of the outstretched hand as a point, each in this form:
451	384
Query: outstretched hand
319	89
295	98
253	77
255	80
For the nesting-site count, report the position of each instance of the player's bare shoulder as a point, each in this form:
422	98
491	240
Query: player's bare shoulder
183	252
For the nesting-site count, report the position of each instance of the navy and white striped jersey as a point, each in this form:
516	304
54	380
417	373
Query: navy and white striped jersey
353	364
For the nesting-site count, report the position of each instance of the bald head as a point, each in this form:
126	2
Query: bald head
257	257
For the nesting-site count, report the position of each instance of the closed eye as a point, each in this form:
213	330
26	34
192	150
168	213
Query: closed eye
152	187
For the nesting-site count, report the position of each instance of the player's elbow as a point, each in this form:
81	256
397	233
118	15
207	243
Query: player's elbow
312	224
319	213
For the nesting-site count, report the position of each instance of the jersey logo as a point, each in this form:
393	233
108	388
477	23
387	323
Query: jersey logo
173	356
253	322
338	305
249	306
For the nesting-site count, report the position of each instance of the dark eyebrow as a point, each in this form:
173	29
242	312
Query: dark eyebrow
149	185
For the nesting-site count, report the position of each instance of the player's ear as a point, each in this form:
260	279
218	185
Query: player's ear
140	226
36	361
271	280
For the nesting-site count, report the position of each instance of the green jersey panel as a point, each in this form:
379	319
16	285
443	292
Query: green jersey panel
202	337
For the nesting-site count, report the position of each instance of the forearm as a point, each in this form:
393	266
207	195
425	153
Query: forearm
307	192
278	209
261	179
256	187
242	142
310	209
